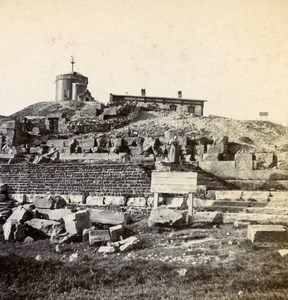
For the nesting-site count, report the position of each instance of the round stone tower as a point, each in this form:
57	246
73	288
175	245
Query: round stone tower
70	85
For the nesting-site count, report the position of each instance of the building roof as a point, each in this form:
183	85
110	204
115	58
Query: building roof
160	98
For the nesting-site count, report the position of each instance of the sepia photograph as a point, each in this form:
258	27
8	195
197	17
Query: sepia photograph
144	149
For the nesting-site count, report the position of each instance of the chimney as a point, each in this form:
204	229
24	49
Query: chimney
143	92
180	94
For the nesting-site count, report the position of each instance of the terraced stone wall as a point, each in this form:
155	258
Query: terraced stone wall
101	179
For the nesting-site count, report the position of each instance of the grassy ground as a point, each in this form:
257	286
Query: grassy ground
194	263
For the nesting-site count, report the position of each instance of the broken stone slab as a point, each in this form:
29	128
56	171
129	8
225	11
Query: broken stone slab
65	238
283	252
107	217
107	249
128	243
98	236
76	222
116	232
20	214
45	227
52	214
267	233
163	216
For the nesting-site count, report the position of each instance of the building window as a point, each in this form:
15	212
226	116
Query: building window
173	107
53	124
191	109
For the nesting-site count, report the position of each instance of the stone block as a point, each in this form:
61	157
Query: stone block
199	149
30	198
128	243
117	142
243	161
228	195
107	217
98	236
116	232
44	226
95	200
21	198
107	249
283	252
75	223
163	216
20	214
150	201
267	233
52	214
43	201
75	198
136	201
36	150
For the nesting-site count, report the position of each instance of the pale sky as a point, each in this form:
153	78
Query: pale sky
233	53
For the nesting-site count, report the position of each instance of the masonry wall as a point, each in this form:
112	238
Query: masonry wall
113	179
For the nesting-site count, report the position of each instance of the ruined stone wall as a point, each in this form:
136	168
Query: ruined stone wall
113	179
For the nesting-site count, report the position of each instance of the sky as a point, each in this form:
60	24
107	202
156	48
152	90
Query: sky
232	53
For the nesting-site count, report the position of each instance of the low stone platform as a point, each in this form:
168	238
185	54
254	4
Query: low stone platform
267	233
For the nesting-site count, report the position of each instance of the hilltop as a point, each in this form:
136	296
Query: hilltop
69	108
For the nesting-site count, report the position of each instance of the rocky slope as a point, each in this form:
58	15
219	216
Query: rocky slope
260	135
257	135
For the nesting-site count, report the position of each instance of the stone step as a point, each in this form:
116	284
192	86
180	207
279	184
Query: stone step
269	210
230	209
